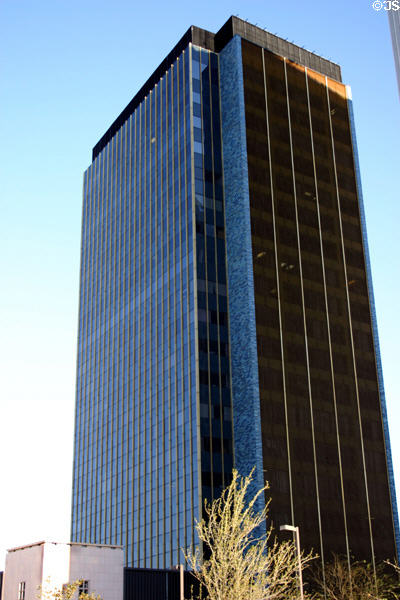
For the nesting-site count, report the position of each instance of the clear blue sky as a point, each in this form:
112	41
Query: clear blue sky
68	69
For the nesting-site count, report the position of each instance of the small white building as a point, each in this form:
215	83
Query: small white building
52	564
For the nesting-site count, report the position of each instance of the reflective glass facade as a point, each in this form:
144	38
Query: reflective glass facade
394	23
226	311
153	419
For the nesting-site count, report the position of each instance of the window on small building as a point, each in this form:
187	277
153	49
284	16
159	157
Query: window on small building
83	587
21	590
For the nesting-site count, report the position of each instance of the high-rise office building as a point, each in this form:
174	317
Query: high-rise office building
394	24
226	307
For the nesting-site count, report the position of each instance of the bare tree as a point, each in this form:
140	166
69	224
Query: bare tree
240	558
68	591
395	566
357	581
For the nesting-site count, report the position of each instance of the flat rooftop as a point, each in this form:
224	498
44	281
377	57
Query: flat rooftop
63	544
216	42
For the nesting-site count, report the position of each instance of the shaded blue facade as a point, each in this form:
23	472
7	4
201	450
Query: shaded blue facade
153	417
245	388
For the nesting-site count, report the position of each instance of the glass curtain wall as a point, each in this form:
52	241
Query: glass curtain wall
215	396
320	407
136	446
153	419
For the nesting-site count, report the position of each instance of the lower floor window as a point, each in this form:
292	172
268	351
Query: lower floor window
84	587
21	590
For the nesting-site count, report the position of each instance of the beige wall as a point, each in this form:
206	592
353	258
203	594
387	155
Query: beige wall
102	567
26	565
53	564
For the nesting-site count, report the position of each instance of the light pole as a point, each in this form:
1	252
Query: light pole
181	569
297	532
